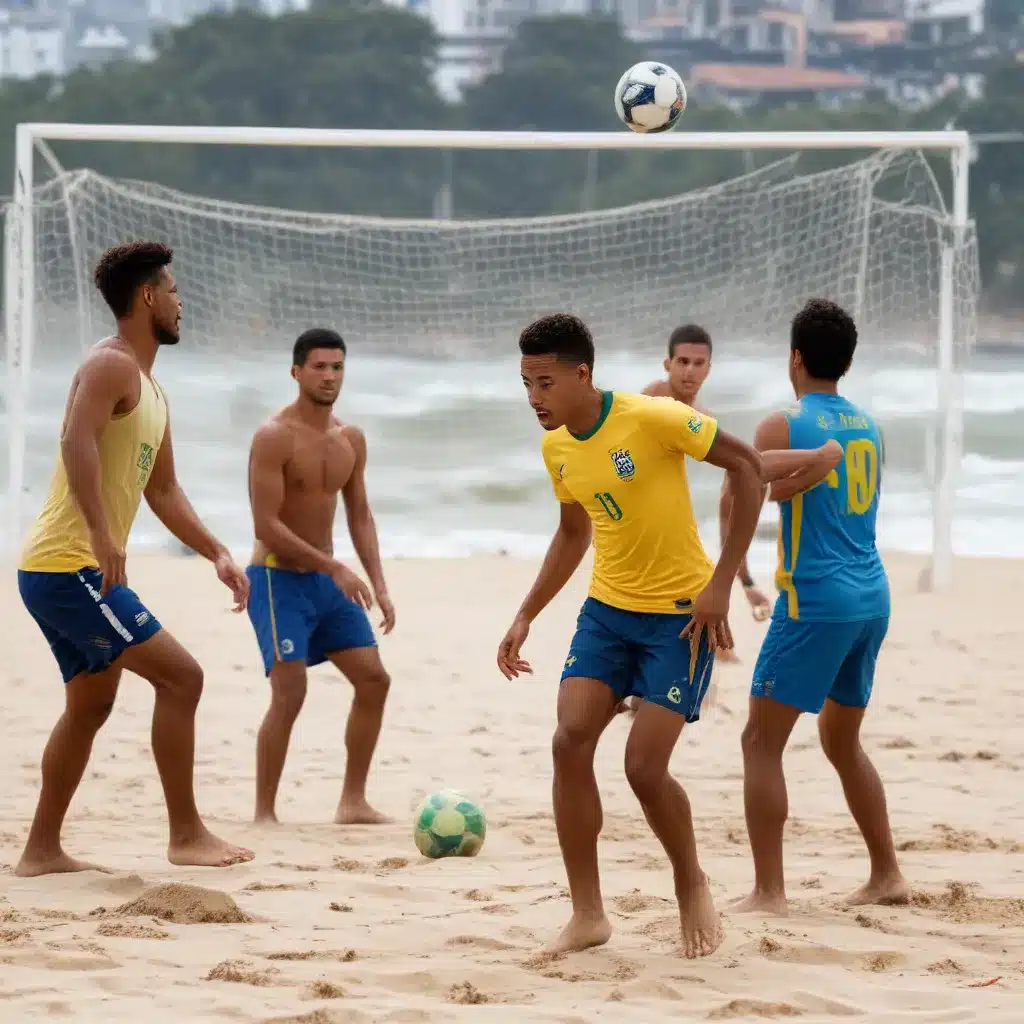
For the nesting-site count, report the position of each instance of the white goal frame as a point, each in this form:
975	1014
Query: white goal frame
19	262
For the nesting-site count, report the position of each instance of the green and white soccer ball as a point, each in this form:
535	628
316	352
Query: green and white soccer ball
449	824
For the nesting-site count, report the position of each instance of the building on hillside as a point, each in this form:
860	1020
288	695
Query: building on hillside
32	42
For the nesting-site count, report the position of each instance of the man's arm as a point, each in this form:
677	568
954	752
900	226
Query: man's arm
565	552
724	511
267	458
791	471
171	506
742	465
104	380
361	526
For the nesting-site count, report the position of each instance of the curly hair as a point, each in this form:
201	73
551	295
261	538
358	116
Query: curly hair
125	268
825	336
562	335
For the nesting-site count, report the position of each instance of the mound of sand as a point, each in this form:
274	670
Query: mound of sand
183	904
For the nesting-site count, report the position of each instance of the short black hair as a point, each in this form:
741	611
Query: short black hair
562	335
688	334
125	268
825	336
316	337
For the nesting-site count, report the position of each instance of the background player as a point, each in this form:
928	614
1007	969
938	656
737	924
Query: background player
656	613
116	446
688	365
831	616
306	607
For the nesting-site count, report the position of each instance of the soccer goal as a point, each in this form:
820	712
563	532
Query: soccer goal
877	234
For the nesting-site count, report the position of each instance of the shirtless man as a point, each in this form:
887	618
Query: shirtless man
115	448
306	607
688	365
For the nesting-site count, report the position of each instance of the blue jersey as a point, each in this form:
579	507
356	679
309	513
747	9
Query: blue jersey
829	566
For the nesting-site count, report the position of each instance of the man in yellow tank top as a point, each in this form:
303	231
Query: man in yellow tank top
115	448
657	609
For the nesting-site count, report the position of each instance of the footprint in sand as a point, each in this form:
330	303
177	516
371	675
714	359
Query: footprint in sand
817	956
244	972
736	1008
960	904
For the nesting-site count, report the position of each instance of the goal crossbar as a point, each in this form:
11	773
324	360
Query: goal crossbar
20	258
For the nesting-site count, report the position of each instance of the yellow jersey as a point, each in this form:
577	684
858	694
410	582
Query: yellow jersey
128	446
629	473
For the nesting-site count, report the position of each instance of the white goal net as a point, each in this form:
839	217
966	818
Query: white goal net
740	257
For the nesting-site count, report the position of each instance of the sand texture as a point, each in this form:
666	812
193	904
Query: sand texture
334	924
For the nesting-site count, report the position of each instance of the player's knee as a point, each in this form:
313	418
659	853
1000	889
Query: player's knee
645	774
571	741
839	746
288	697
372	685
753	741
187	683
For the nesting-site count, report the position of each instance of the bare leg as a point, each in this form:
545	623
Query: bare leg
766	802
177	681
585	707
363	669
839	729
89	699
287	695
667	809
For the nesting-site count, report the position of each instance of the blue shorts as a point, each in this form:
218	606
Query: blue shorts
303	616
802	664
87	632
640	654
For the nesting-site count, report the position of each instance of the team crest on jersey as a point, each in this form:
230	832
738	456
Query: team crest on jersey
623	462
694	423
823	422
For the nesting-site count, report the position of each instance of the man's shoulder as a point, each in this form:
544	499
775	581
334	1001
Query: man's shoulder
556	440
658	389
110	360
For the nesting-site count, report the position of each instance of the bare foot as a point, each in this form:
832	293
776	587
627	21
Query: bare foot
699	923
32	866
773	904
582	933
266	819
727	654
889	891
359	812
207	851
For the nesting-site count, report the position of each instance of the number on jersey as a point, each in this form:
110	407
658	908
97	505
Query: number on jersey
861	458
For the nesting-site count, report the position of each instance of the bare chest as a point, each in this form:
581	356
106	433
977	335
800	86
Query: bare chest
320	463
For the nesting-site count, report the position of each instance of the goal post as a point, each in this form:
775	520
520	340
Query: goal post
901	258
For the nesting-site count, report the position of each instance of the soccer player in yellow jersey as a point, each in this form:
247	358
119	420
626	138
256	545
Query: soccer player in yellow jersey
657	608
115	447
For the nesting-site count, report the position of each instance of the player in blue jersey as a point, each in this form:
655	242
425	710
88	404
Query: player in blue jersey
831	615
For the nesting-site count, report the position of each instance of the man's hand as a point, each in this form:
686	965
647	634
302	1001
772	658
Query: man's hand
387	623
510	664
711	612
110	559
759	603
234	578
833	452
352	586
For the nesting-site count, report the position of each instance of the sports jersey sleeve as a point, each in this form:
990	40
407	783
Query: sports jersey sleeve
680	428
554	468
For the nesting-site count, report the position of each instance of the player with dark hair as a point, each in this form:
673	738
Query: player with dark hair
688	365
831	616
306	606
115	448
657	610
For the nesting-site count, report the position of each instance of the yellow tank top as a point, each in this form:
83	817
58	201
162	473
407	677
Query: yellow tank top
59	540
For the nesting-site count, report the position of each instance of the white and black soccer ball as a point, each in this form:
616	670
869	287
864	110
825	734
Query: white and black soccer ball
650	97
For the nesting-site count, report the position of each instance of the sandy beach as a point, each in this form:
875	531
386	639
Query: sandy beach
334	924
